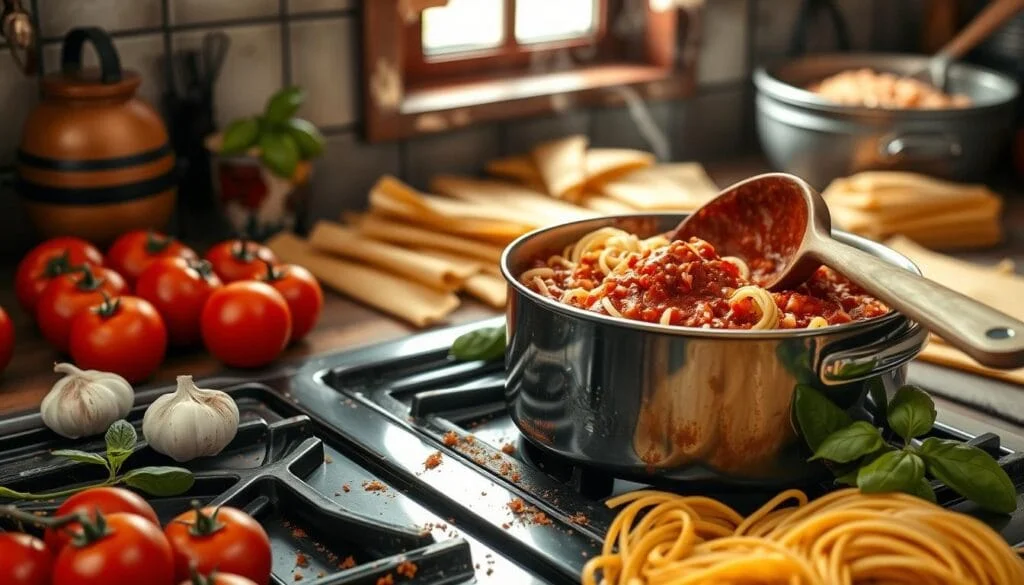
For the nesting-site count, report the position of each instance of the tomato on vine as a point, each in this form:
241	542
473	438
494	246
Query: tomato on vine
301	291
119	548
246	324
132	252
239	259
6	339
178	288
122	335
106	500
223	539
68	295
46	262
24	560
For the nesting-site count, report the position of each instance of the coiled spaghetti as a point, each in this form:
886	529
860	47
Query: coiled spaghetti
843	538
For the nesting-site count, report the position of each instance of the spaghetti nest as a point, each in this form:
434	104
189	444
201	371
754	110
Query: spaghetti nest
843	538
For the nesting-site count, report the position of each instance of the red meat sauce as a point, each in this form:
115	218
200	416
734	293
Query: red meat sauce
694	281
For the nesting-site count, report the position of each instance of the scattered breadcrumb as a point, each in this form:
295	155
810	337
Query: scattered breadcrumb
374	486
407	569
301	560
540	518
579	518
517	506
297	576
328	459
348	563
450	439
346	488
433	460
298	533
508	448
386	580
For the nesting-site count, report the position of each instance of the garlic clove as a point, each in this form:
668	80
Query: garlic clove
190	422
85	402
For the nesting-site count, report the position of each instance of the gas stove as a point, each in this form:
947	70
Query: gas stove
394	464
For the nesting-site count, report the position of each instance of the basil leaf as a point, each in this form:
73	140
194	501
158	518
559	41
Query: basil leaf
239	136
483	344
850	443
160	481
280	154
307	136
816	416
911	413
283	104
80	456
121	436
970	472
849	479
895	471
923	490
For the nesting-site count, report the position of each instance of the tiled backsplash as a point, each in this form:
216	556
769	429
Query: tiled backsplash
316	43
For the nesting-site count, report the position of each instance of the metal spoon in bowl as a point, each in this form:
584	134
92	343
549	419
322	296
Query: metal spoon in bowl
781	227
996	14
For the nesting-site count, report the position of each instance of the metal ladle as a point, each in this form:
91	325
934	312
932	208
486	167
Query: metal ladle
781	218
995	15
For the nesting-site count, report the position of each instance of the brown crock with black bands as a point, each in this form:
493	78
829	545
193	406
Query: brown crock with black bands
95	161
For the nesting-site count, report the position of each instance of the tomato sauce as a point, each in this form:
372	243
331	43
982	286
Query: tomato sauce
689	284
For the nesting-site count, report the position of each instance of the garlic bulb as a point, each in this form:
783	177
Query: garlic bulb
190	422
85	402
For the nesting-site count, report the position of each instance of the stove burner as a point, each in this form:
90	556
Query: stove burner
591	483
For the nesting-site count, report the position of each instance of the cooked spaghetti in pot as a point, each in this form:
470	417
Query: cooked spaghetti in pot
616	273
843	538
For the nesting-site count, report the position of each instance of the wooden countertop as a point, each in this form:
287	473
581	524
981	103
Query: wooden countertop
343	325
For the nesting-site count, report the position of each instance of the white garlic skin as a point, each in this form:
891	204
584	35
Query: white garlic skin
85	402
190	422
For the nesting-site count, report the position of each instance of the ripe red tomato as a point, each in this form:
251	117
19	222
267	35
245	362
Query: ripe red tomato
178	288
131	551
70	294
47	261
24	560
107	500
6	339
246	324
235	260
123	335
302	293
225	539
218	579
132	252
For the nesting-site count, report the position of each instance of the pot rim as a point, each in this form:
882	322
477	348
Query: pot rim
768	82
874	248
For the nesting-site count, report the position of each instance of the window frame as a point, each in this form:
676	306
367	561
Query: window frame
398	104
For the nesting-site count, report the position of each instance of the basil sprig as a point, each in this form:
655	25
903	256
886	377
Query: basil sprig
121	440
485	344
860	455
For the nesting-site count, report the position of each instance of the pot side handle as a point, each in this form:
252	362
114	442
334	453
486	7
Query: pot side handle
918	147
852	365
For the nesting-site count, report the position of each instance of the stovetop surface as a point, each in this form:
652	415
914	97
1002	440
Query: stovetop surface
361	462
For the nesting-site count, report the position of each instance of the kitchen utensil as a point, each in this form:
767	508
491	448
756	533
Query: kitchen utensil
94	159
214	52
792	226
936	70
645	399
805	135
17	27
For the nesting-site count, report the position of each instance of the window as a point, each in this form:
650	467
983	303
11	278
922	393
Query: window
433	65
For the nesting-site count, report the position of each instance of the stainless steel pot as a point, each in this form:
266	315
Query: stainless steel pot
658	402
820	141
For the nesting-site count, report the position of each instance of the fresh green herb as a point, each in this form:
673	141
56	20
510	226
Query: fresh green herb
817	416
860	456
279	153
121	440
283	104
483	344
240	136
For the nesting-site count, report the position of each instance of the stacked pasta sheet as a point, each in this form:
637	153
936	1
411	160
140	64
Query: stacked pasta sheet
997	286
415	254
937	214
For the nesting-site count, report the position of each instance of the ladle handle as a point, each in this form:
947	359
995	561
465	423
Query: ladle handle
989	336
988	20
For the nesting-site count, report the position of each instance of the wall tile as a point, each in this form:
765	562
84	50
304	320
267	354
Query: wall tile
56	17
776	25
462	152
645	129
142	54
192	11
343	176
519	136
309	6
251	71
897	26
323	55
723	51
713	125
19	95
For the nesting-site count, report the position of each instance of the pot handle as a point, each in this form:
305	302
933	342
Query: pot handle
852	365
71	53
918	146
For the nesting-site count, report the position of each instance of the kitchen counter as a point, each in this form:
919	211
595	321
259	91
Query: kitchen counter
343	325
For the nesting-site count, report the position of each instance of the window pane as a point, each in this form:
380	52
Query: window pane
462	26
539	21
